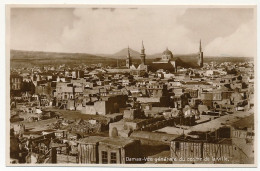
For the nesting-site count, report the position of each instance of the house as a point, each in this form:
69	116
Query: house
19	129
16	82
215	146
243	135
125	127
118	150
106	105
88	149
106	150
235	98
192	152
47	88
207	98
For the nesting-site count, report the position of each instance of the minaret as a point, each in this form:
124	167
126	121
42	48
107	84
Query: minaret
200	60
200	46
142	55
128	59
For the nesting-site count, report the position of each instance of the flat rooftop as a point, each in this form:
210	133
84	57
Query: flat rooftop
222	121
154	136
91	140
117	141
247	122
237	119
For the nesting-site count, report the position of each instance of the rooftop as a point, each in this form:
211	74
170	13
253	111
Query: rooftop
155	136
118	141
247	122
91	140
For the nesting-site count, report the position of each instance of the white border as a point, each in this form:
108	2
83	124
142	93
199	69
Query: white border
101	2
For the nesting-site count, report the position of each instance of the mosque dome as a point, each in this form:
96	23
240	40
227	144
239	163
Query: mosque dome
167	52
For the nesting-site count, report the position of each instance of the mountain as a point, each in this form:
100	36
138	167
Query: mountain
25	58
21	54
122	54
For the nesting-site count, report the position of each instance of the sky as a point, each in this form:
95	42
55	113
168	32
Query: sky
223	31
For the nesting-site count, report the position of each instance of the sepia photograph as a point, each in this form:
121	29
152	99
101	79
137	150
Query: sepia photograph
131	85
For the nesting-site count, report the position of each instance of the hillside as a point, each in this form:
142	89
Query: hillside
122	54
26	58
19	54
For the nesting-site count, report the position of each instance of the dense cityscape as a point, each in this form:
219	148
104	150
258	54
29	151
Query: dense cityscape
162	112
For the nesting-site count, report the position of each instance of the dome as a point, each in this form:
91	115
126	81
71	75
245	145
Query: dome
167	52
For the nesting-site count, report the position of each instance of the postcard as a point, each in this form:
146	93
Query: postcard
131	85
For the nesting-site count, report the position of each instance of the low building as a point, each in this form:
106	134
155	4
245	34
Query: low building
16	82
209	147
243	136
88	149
118	151
106	105
106	150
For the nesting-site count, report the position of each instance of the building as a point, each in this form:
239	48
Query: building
16	82
243	135
201	152
47	88
106	150
128	59
166	62
200	60
88	149
105	105
221	146
170	63
142	55
126	126
118	151
143	65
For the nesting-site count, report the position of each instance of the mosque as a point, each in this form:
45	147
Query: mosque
142	67
167	61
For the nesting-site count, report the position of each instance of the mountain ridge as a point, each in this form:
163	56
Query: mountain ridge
122	53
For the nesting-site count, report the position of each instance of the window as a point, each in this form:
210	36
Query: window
113	157
177	145
104	157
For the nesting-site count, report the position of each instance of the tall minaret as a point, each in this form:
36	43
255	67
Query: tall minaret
128	59
200	60
200	46
142	55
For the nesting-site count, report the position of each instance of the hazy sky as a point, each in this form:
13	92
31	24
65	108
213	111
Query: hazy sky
224	31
